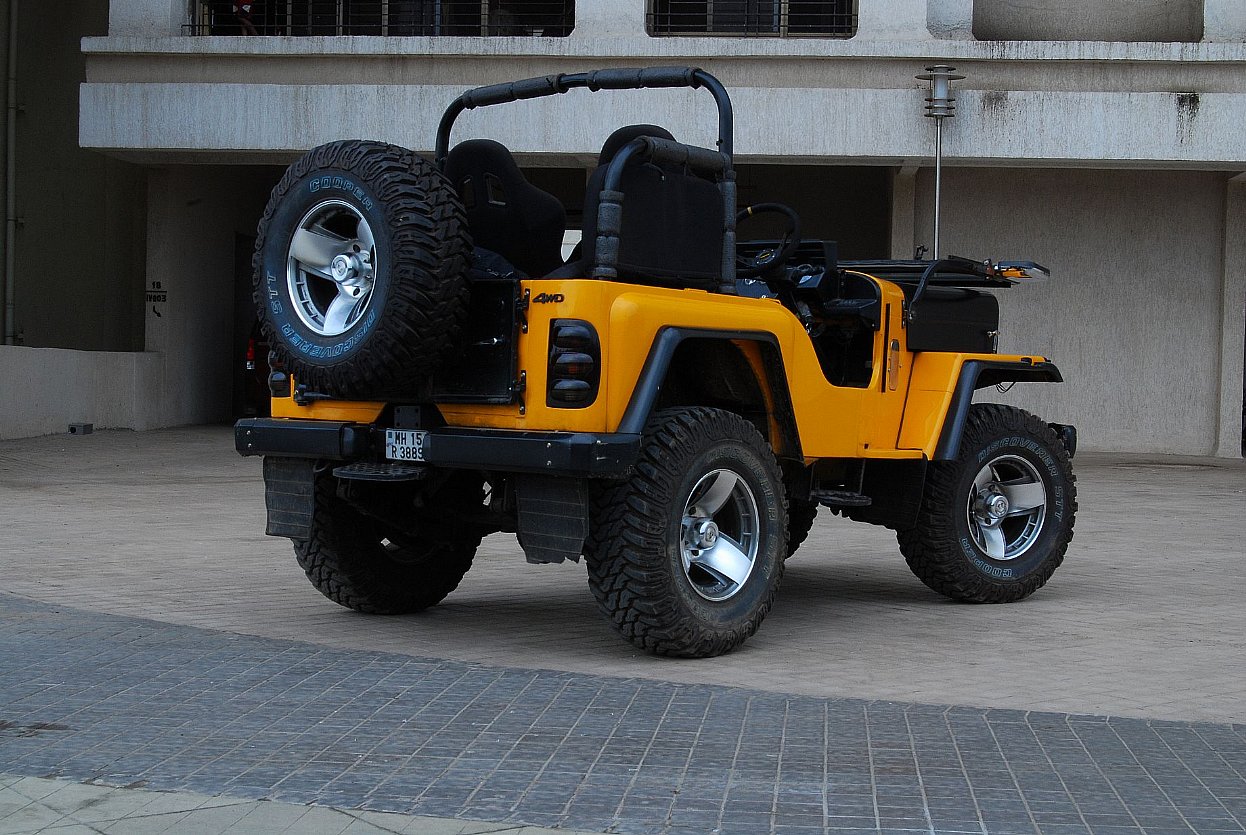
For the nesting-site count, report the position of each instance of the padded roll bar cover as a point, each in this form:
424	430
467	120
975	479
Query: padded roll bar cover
622	78
527	88
609	229
670	152
629	78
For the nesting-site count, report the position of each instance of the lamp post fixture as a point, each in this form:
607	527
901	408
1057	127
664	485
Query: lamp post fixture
939	106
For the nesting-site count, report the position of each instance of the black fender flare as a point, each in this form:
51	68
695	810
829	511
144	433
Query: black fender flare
977	374
657	364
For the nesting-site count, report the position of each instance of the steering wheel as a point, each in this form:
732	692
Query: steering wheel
768	259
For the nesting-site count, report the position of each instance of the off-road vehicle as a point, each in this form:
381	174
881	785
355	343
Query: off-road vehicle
673	403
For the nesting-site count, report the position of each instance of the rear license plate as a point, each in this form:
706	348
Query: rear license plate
405	444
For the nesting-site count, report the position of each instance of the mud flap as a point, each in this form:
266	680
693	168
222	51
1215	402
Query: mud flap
553	517
289	496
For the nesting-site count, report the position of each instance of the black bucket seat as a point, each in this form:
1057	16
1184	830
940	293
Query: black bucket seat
507	214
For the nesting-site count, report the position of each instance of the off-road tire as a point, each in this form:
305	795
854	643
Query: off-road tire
800	516
941	548
349	561
419	292
633	552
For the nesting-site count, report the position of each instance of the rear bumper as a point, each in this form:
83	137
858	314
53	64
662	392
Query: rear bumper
502	450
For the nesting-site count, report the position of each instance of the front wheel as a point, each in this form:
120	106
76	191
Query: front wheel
995	522
687	555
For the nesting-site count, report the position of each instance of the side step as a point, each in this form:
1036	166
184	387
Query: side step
381	471
840	498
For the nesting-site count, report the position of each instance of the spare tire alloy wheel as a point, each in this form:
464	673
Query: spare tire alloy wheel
330	268
686	556
360	269
996	521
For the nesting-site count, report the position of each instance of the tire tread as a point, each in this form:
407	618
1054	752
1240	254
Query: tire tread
930	546
625	548
426	304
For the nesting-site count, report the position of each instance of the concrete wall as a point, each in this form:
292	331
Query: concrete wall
196	212
80	240
791	123
187	375
1137	314
46	389
1232	359
1224	20
1088	20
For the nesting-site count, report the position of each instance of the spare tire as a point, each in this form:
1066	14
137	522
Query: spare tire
360	269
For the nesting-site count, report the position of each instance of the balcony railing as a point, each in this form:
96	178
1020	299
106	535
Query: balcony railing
756	18
530	18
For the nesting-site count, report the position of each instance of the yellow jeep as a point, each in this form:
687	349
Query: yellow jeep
671	402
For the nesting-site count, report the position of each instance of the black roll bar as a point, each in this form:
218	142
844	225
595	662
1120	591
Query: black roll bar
622	78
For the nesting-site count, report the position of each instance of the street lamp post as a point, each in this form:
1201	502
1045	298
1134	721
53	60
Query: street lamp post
939	106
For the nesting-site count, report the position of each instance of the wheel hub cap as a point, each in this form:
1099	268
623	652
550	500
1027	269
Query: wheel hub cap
706	535
1007	506
353	272
719	535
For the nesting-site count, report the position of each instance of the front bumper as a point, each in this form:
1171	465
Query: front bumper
603	454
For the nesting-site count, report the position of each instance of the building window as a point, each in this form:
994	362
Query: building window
1129	21
758	18
532	18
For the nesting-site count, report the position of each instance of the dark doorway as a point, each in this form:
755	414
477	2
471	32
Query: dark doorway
847	204
248	352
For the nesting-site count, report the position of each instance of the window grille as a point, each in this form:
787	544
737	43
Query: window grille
757	18
490	18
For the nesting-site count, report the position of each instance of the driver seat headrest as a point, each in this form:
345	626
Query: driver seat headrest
615	141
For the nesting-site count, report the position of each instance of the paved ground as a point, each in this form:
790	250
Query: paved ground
159	639
1144	619
64	807
135	702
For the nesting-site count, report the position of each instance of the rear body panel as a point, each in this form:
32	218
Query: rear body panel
898	414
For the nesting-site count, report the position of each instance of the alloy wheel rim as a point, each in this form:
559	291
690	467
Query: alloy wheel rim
1006	507
331	267
720	534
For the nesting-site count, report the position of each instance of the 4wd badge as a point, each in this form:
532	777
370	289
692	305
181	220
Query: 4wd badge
548	298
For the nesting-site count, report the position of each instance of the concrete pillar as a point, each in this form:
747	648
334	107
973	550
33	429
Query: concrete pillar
608	18
951	19
151	18
1224	20
892	20
1233	322
903	212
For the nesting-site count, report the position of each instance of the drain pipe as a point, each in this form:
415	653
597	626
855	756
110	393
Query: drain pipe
10	182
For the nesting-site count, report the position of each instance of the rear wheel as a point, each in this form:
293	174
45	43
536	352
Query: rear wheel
687	555
995	523
366	565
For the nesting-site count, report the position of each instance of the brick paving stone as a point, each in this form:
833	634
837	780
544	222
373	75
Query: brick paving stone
122	701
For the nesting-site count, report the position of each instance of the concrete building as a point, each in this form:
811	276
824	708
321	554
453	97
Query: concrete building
1102	138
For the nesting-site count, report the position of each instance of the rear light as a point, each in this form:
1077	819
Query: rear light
250	355
574	364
